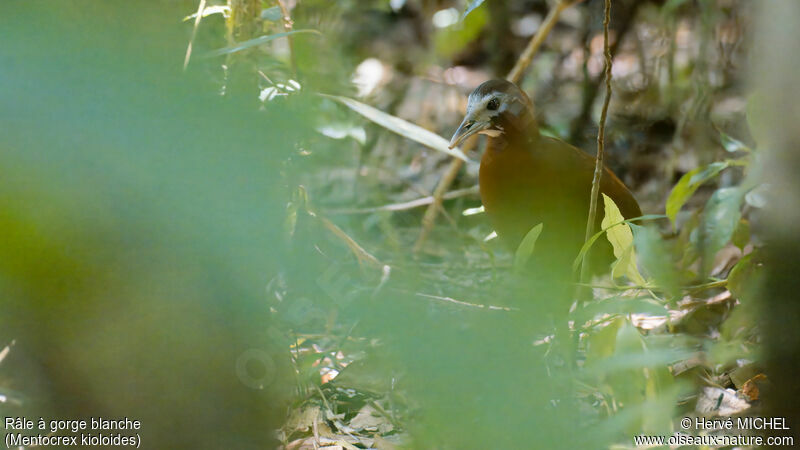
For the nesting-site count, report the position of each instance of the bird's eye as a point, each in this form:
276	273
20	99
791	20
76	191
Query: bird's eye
493	104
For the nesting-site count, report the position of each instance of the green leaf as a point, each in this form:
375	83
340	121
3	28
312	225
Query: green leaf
721	215
732	144
757	197
401	127
688	184
628	356
741	235
746	277
451	40
621	238
255	42
601	343
585	249
525	248
656	258
472	5
588	244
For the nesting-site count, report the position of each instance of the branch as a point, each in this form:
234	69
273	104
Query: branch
601	137
406	205
541	34
429	219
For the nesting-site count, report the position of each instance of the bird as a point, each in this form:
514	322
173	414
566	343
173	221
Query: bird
527	178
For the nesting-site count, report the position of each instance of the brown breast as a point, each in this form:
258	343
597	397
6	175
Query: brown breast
543	180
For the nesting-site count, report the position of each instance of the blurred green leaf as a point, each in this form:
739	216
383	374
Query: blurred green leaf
757	197
732	144
601	343
721	214
630	418
525	248
585	249
628	356
401	127
726	352
624	369
656	258
688	184
621	238
256	42
744	276
741	235
629	340
451	40
745	282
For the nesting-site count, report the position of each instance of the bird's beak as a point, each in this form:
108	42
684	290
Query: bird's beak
467	128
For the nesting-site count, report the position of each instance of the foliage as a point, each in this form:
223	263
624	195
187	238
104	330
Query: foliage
526	247
621	239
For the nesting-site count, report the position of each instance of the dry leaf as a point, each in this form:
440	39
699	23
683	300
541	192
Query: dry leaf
750	388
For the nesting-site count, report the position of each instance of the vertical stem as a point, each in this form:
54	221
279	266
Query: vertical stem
200	8
601	137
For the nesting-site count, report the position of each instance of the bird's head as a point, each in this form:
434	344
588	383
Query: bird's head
494	108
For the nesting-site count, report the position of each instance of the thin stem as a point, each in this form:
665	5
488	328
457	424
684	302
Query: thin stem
533	45
601	138
428	220
471	191
200	8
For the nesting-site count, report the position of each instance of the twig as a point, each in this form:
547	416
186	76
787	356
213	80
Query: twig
200	8
462	303
6	350
614	288
429	219
385	414
601	139
541	34
706	286
514	76
360	253
406	205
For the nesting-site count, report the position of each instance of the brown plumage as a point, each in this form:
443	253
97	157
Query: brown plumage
527	178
